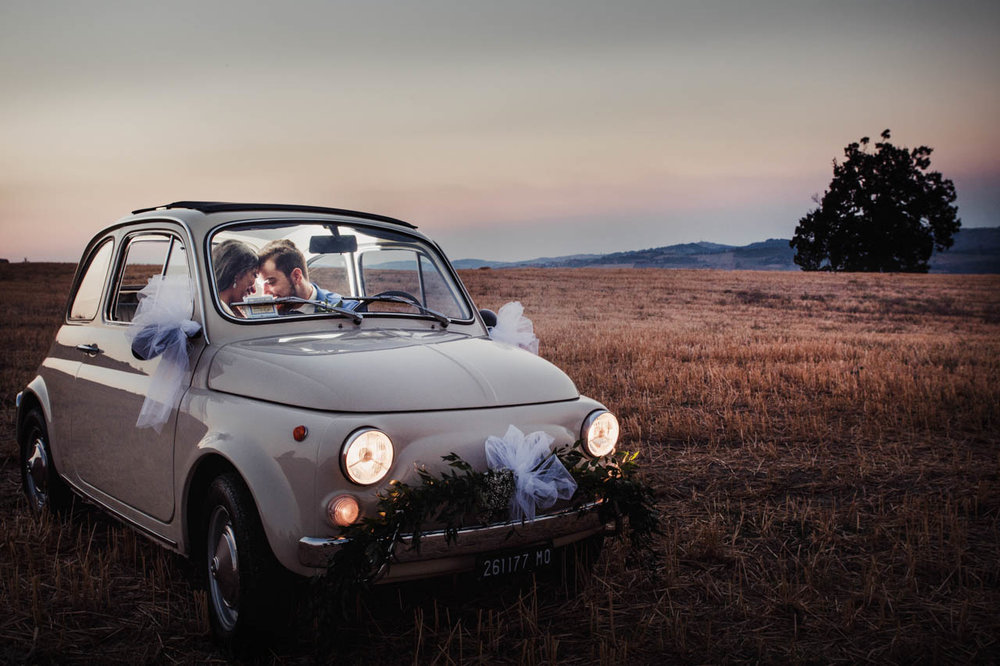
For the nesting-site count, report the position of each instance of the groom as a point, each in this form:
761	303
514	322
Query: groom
284	272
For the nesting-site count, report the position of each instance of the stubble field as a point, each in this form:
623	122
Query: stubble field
825	451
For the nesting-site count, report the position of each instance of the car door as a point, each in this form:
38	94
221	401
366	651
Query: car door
72	344
122	465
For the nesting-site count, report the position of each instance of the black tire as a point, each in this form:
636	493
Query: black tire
43	488
247	587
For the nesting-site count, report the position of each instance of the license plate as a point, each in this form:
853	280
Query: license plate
510	562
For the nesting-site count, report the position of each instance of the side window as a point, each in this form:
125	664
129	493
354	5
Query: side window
88	295
329	271
177	263
437	295
145	256
390	270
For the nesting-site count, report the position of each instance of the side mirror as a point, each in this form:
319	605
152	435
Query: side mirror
333	244
489	317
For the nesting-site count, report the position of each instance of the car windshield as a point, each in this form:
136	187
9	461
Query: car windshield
268	271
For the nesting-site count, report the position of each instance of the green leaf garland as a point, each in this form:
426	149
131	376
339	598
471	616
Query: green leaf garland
461	497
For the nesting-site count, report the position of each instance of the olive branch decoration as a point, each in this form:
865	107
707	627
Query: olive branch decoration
461	497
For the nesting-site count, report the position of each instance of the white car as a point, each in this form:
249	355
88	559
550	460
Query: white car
278	418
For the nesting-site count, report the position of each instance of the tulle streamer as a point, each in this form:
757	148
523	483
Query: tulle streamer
161	327
539	476
514	328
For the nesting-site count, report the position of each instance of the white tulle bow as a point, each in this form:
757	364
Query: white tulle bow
161	327
539	476
514	328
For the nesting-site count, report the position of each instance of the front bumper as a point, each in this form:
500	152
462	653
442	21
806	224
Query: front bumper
436	556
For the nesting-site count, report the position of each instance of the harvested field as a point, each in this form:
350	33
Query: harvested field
825	450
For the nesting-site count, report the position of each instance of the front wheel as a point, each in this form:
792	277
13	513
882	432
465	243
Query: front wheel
243	576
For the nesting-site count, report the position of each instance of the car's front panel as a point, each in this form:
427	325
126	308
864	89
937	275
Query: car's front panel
294	480
420	441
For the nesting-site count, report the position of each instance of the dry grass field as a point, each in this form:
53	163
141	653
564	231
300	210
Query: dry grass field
825	451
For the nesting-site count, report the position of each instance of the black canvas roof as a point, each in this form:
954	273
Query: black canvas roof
227	207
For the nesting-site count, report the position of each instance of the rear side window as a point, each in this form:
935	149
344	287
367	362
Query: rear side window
88	295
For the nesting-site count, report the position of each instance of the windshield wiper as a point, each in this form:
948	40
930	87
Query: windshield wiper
326	308
388	298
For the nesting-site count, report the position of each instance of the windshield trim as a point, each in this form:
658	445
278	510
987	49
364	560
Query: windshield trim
428	248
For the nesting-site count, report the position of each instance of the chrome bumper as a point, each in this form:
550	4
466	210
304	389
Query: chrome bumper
437	556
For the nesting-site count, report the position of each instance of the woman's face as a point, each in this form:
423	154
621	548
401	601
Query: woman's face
246	285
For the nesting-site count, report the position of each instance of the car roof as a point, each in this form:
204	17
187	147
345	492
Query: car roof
210	207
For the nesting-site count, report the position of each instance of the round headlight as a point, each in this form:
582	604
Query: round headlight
600	433
367	456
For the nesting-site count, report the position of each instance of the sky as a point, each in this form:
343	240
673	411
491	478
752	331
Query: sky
504	130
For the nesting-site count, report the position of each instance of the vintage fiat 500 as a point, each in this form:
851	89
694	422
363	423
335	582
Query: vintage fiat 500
241	381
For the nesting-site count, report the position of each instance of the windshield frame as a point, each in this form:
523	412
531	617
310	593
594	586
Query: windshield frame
398	237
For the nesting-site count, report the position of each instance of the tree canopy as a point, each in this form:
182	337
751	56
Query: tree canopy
884	211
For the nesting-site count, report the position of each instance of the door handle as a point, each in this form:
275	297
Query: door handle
89	350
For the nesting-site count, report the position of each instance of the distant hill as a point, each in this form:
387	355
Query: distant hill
976	250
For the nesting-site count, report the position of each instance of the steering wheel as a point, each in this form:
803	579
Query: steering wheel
390	292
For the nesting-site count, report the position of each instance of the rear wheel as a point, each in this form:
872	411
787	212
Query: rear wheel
43	488
244	579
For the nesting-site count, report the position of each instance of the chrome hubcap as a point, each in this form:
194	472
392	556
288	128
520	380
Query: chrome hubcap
37	477
223	568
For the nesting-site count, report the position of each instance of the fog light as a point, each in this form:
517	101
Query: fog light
343	510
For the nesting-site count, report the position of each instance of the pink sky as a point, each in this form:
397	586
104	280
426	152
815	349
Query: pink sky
504	130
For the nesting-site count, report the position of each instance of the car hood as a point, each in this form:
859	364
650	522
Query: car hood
387	371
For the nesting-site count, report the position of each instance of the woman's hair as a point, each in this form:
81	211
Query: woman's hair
230	259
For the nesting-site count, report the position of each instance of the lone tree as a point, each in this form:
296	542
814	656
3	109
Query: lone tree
884	211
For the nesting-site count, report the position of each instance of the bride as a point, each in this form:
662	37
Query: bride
235	264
